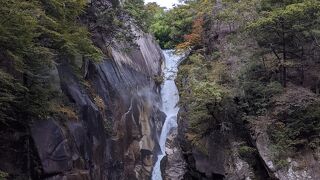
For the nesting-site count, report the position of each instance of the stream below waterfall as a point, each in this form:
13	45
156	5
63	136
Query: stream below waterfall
170	99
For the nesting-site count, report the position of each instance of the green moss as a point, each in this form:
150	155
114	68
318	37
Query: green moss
158	79
247	152
281	163
108	126
3	175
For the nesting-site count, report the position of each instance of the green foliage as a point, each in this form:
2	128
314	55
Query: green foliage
285	34
11	96
209	104
295	18
258	95
205	103
238	13
61	31
285	30
158	24
247	152
281	163
3	175
31	100
258	89
108	127
267	5
111	22
171	26
284	37
33	34
42	29
136	9
299	128
18	29
154	13
158	79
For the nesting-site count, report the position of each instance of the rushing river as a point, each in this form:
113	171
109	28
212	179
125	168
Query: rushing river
170	98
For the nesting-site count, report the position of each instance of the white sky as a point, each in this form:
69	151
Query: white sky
164	3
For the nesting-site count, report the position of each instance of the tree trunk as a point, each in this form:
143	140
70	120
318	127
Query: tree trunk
301	76
284	68
318	87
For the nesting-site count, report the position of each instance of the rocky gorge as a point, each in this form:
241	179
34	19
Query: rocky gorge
113	116
88	93
236	143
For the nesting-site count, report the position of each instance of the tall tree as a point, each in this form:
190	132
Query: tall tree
287	31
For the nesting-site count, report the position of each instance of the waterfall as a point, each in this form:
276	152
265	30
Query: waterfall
170	98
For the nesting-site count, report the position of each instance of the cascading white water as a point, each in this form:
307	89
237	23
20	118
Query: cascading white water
170	98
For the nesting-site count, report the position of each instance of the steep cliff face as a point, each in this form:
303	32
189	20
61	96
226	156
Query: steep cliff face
112	110
115	135
302	163
215	153
234	143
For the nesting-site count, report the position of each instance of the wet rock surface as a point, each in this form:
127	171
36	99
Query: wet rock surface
117	104
173	165
52	147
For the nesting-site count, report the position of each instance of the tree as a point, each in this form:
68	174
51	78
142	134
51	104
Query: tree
195	38
154	13
287	31
136	10
180	25
169	26
33	35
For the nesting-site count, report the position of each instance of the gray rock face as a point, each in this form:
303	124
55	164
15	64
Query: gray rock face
51	140
253	155
218	159
174	163
301	165
115	134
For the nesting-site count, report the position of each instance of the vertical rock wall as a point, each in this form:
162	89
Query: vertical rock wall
117	104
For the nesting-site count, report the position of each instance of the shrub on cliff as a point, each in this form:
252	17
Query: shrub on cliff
287	30
258	87
209	103
298	128
11	96
33	35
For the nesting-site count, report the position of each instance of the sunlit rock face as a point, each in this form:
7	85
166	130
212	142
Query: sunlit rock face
115	136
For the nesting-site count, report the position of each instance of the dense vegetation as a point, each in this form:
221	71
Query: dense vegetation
37	37
33	35
171	27
247	59
251	62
